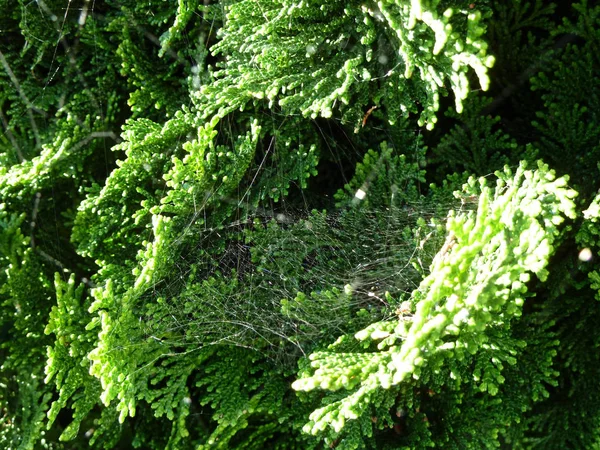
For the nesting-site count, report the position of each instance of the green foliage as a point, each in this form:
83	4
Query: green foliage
196	196
295	56
475	145
67	364
570	110
479	274
384	177
23	283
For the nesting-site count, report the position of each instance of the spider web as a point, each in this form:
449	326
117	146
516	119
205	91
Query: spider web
286	278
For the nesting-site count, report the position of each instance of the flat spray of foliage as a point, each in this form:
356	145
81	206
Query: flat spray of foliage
477	281
299	224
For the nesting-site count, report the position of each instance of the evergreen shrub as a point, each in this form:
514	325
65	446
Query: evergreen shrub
299	224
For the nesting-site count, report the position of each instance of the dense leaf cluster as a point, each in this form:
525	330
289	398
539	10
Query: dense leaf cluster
299	224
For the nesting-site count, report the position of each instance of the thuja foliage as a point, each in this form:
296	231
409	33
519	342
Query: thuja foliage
477	282
299	224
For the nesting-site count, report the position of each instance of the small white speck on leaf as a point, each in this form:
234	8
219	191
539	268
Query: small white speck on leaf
585	255
360	194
